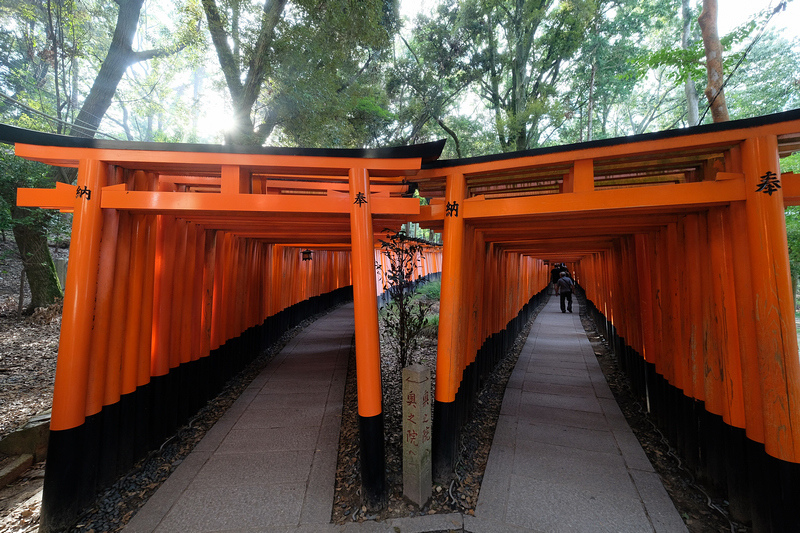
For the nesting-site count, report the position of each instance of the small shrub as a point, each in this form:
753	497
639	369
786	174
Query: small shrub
405	316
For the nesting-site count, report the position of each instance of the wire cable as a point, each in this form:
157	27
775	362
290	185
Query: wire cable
54	119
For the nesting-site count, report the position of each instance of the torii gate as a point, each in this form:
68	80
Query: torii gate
677	238
184	259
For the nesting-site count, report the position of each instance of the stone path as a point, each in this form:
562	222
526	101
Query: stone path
563	457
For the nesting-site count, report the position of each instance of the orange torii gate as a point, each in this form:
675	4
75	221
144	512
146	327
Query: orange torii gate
185	263
678	239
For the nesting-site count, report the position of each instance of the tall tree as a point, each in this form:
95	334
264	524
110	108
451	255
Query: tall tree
120	56
519	48
428	77
226	39
689	88
603	75
307	55
41	43
53	37
30	227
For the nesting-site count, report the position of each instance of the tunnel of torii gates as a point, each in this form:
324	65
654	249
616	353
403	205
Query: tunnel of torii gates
185	262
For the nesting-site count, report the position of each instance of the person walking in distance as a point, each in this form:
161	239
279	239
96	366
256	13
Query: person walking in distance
554	276
564	289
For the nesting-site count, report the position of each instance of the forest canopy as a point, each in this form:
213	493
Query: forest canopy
488	75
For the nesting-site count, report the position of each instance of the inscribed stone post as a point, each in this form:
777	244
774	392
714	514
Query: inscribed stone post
417	434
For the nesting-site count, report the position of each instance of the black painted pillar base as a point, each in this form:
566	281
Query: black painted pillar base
373	461
445	439
66	489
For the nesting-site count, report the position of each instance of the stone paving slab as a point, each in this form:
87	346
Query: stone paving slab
551	506
225	469
565	436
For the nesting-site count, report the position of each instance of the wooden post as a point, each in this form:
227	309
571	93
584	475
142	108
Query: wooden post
21	301
748	344
725	299
451	339
66	458
368	356
774	309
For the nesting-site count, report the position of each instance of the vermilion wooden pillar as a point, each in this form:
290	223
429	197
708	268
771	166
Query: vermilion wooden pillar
65	461
774	304
148	299
722	260
691	318
476	312
672	327
713	338
644	267
102	320
368	357
451	335
111	442
752	395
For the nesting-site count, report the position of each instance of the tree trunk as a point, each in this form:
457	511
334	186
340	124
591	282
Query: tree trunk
689	89
31	238
589	135
692	103
713	48
452	134
244	94
120	56
39	267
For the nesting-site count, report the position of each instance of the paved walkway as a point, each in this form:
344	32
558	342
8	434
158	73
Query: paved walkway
563	457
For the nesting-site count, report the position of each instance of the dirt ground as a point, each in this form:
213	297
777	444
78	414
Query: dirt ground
28	347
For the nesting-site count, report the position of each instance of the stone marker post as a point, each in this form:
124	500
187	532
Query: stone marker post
61	271
417	433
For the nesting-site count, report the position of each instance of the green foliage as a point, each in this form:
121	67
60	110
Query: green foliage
428	76
685	63
404	318
792	213
318	81
759	85
603	76
489	75
791	163
768	82
52	51
520	51
41	44
539	68
431	291
5	215
16	172
31	226
793	237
